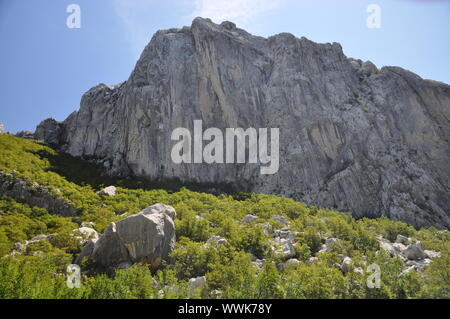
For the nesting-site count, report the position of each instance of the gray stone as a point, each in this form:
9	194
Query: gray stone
283	247
290	264
353	138
2	129
414	252
85	233
346	265
358	270
146	237
108	191
250	218
196	283
88	224
216	240
403	239
432	254
311	260
280	219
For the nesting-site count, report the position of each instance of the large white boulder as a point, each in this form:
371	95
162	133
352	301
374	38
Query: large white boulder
146	237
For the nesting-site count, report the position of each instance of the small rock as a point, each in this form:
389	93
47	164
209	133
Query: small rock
196	283
108	191
259	263
290	264
125	265
86	233
284	247
358	270
311	260
407	270
88	224
419	264
215	294
280	219
403	240
330	240
432	254
250	218
346	264
216	240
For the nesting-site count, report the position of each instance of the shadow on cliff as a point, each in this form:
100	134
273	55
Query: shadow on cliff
84	173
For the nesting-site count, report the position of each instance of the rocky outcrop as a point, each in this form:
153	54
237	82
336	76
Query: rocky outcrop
48	131
34	195
26	134
146	237
2	129
352	137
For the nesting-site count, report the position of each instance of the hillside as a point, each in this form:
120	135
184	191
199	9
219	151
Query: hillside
267	246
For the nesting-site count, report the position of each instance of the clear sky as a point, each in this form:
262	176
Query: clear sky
45	67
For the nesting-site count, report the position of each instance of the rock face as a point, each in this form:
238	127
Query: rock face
48	131
34	195
352	137
2	129
146	237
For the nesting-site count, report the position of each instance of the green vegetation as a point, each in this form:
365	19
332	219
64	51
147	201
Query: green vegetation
39	272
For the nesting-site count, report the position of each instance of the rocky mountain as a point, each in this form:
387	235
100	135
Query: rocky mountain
352	137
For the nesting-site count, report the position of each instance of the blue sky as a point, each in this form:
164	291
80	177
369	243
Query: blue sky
45	67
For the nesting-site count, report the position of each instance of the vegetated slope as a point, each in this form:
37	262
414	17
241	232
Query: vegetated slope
245	266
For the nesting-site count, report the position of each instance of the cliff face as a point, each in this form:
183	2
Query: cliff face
352	137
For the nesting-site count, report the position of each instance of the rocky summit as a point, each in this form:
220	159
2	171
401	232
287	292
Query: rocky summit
352	137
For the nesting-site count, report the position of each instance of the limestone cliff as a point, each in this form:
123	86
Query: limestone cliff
352	137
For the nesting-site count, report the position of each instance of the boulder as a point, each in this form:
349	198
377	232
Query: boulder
290	264
432	254
250	218
196	283
88	224
108	191
283	247
85	233
418	264
258	263
414	252
403	240
146	237
216	240
346	265
280	219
